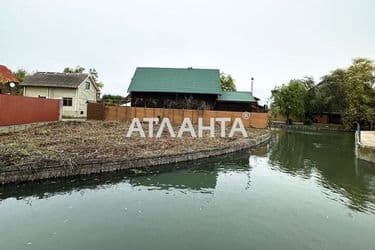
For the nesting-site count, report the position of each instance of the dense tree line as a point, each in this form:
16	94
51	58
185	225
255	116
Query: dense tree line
349	92
112	99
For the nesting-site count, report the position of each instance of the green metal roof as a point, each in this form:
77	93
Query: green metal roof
176	80
236	96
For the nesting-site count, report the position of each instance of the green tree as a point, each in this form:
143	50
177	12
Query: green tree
289	99
332	91
95	75
112	99
327	96
313	102
349	92
79	69
20	74
227	83
307	82
360	93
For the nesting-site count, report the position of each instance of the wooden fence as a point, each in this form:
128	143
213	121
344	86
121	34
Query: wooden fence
96	111
16	110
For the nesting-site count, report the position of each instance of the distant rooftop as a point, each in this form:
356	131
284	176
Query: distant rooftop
176	80
55	79
6	75
236	96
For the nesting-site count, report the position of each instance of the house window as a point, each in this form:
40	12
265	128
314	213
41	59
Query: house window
67	101
87	85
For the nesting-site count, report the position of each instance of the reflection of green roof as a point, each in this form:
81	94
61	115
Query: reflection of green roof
176	80
236	96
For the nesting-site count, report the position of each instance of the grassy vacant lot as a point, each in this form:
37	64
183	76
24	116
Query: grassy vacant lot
70	142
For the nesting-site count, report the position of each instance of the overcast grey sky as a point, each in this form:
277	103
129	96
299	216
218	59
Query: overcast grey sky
273	41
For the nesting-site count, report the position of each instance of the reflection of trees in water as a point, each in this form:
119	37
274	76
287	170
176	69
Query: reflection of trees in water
62	186
287	152
330	158
199	180
200	176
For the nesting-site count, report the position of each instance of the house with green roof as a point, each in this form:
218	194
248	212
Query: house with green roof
184	88
238	101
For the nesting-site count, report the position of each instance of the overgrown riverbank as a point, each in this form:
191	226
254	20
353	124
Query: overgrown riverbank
67	146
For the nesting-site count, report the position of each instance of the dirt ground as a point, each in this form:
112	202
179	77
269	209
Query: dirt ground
70	142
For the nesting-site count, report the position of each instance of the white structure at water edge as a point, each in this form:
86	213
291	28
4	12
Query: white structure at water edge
365	145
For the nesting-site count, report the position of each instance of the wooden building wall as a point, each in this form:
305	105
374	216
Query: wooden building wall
173	100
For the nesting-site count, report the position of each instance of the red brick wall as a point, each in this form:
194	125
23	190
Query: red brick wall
15	110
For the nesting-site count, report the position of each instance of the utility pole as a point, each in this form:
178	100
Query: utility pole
252	86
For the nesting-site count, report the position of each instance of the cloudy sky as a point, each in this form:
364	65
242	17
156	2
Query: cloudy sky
272	41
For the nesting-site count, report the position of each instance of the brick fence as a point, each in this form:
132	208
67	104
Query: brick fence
16	110
96	111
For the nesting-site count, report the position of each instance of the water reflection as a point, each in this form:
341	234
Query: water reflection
328	157
198	176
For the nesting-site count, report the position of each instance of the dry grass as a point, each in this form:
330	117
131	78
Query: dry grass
70	142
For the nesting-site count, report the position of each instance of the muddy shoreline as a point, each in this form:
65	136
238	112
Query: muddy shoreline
26	174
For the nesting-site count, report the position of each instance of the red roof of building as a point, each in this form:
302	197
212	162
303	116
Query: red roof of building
6	75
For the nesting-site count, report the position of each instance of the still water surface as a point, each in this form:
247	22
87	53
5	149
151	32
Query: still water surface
302	191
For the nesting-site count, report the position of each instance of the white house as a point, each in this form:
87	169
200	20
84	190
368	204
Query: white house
74	89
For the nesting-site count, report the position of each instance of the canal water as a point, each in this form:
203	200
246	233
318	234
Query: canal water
301	191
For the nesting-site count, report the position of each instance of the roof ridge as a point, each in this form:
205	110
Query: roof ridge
55	79
236	96
6	75
61	73
176	68
238	91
